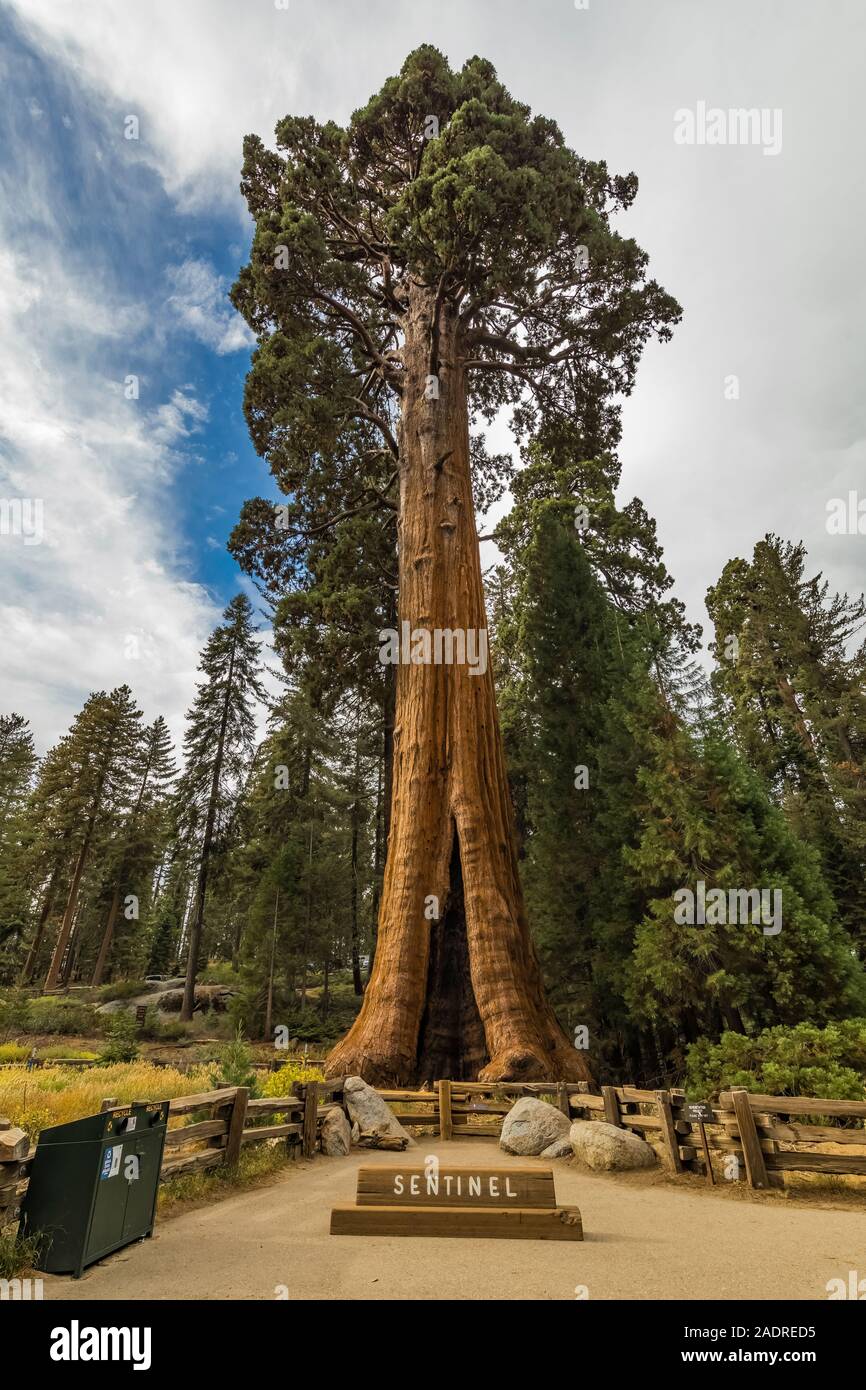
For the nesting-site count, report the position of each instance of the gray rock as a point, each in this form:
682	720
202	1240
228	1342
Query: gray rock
560	1149
607	1148
356	1132
531	1126
336	1134
367	1108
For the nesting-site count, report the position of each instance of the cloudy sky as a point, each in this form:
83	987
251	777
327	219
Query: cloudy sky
116	254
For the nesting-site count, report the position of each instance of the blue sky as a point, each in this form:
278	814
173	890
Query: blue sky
116	255
143	283
120	230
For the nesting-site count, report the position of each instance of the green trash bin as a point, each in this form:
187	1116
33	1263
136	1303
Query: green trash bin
93	1185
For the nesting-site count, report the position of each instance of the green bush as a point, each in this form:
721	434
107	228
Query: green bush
172	1030
14	1011
292	1074
56	1014
122	1045
218	972
800	1061
122	989
234	1065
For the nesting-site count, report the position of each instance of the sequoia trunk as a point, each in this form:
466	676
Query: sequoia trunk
456	988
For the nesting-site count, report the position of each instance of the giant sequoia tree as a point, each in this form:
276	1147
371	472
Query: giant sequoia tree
442	256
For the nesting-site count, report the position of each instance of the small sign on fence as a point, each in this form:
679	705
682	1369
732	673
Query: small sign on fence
700	1112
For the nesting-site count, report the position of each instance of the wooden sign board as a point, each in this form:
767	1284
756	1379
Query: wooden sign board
512	1203
456	1187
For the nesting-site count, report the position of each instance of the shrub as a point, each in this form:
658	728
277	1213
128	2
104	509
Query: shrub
122	989
122	1043
782	1061
234	1065
55	1014
14	1011
14	1052
219	972
172	1030
293	1073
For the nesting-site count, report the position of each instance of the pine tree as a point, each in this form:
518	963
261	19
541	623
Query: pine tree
567	646
552	709
48	822
218	745
97	761
705	817
17	766
138	840
790	675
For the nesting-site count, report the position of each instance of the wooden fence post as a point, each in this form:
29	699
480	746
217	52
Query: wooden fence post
669	1134
110	1103
562	1099
14	1148
756	1169
237	1120
611	1106
311	1111
445	1122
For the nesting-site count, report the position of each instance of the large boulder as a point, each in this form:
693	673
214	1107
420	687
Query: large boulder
605	1147
531	1126
335	1133
367	1108
216	997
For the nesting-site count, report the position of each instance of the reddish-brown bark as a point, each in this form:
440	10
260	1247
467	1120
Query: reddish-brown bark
460	996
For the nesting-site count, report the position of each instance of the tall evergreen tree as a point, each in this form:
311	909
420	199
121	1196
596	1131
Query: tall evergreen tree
97	762
706	818
218	746
18	763
790	671
139	838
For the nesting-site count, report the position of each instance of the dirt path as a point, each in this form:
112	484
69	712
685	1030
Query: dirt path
645	1238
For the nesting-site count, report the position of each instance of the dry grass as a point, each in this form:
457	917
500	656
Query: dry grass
257	1164
36	1099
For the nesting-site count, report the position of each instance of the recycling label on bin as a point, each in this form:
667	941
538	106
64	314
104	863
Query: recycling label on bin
111	1161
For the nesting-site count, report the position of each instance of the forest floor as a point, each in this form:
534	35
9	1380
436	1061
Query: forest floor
647	1236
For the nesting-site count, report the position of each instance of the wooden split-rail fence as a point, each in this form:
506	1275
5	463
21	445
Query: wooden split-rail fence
767	1135
224	1122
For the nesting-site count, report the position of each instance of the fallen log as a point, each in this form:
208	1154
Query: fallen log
366	1140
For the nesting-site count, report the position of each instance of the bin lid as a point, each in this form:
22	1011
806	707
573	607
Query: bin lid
125	1119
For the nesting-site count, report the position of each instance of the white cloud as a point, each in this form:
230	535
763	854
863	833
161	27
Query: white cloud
763	254
108	568
198	75
200	302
